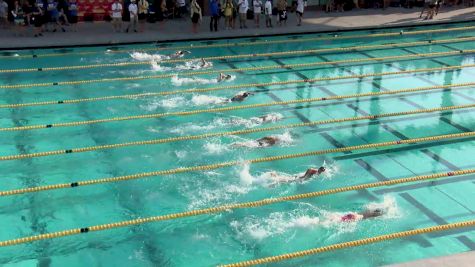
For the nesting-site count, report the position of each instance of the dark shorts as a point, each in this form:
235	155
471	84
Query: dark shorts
38	20
431	5
195	18
73	19
142	16
282	15
300	13
183	10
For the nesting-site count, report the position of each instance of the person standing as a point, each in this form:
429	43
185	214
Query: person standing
37	18
53	15
300	8
18	18
228	14
243	7
268	12
116	15
214	10
73	14
143	12
282	9
196	15
3	14
134	19
257	4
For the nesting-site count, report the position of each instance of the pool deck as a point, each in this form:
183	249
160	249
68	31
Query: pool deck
180	29
460	260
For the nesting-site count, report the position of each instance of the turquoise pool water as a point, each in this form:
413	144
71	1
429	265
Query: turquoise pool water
244	234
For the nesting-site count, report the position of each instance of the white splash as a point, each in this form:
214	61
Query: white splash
215	148
388	205
271	117
176	81
201	100
181	154
140	56
158	67
156	103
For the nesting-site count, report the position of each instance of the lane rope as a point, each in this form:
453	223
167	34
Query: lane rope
235	44
289	66
354	243
228	164
228	57
227	207
221	109
218	134
202	90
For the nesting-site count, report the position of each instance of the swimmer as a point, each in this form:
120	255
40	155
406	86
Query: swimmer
180	53
311	172
267	141
224	77
240	97
205	64
367	214
261	142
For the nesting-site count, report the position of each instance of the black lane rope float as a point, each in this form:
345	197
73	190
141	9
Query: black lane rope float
237	132
266	42
239	56
253	204
259	68
221	109
215	166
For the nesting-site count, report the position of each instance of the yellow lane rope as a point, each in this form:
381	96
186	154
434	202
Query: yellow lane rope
202	90
227	57
354	243
234	44
212	110
229	163
259	68
237	132
219	209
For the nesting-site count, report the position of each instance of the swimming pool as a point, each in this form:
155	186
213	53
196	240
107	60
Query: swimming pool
307	79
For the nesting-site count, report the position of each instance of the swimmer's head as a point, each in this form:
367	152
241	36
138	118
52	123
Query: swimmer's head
378	212
321	170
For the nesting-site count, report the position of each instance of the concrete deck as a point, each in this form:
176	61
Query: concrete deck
180	29
466	259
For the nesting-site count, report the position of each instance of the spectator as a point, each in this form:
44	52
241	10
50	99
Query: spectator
181	4
257	4
143	13
282	10
339	5
357	4
214	10
134	19
3	14
300	8
27	11
73	14
63	8
196	15
268	11
116	15
18	18
228	14
330	5
38	18
243	7
53	15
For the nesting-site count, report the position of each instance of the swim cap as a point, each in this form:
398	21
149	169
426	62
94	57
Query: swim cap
348	217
